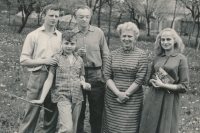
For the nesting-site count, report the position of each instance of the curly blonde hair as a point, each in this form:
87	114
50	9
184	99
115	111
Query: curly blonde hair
129	26
178	46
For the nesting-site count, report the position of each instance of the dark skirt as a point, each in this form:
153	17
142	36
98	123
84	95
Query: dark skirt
161	112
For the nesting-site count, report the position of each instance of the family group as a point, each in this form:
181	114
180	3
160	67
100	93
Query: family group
67	69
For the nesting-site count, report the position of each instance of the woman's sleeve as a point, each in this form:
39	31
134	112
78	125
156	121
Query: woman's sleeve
142	69
183	73
82	72
108	68
152	71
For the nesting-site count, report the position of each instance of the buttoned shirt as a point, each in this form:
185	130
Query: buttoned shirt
67	79
176	66
38	44
96	47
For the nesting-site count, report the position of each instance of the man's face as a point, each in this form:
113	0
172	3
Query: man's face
51	17
83	17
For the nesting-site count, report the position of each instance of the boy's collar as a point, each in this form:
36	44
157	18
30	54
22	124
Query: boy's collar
62	53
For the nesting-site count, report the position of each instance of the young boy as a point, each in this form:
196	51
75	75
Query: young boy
69	76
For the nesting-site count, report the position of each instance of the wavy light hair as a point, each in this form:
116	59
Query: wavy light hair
74	10
128	26
50	7
178	45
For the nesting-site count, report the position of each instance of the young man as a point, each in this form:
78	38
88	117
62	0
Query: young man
93	49
39	47
69	74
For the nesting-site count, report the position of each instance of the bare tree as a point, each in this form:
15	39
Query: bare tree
193	7
26	7
8	6
99	13
110	4
197	36
133	9
159	17
99	7
150	8
174	14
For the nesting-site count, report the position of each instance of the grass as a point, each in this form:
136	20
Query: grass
14	79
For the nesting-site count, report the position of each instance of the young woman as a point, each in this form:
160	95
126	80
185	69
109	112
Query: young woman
162	104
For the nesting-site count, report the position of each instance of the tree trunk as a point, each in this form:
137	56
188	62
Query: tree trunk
191	33
148	26
58	24
23	16
70	20
158	25
23	23
109	25
197	37
174	16
137	22
132	17
38	19
9	14
99	14
119	19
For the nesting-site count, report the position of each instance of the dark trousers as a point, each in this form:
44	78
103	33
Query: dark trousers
96	103
35	85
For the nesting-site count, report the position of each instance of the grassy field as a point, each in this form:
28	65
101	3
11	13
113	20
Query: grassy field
14	79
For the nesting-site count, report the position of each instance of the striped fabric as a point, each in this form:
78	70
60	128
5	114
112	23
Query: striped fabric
67	79
124	68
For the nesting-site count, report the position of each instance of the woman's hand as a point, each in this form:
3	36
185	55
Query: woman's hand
86	86
157	83
37	101
122	96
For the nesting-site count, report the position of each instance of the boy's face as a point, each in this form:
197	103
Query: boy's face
69	46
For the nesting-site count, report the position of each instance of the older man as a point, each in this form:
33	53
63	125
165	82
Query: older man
39	46
92	47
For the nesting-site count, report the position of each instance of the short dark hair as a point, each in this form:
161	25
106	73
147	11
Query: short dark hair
80	7
68	35
50	7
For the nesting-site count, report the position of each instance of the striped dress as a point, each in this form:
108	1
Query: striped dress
124	68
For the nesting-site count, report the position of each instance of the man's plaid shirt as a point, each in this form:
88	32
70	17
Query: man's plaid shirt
67	79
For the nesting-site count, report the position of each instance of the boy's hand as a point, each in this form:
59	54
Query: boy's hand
37	101
81	51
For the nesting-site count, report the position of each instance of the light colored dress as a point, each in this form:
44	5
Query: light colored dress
162	109
124	68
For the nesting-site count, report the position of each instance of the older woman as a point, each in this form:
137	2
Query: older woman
125	71
162	104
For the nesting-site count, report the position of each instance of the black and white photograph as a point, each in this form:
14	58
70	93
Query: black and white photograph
99	66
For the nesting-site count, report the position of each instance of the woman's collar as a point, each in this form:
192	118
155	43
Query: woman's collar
128	50
175	53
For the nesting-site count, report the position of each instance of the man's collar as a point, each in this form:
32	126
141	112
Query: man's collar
42	28
91	28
